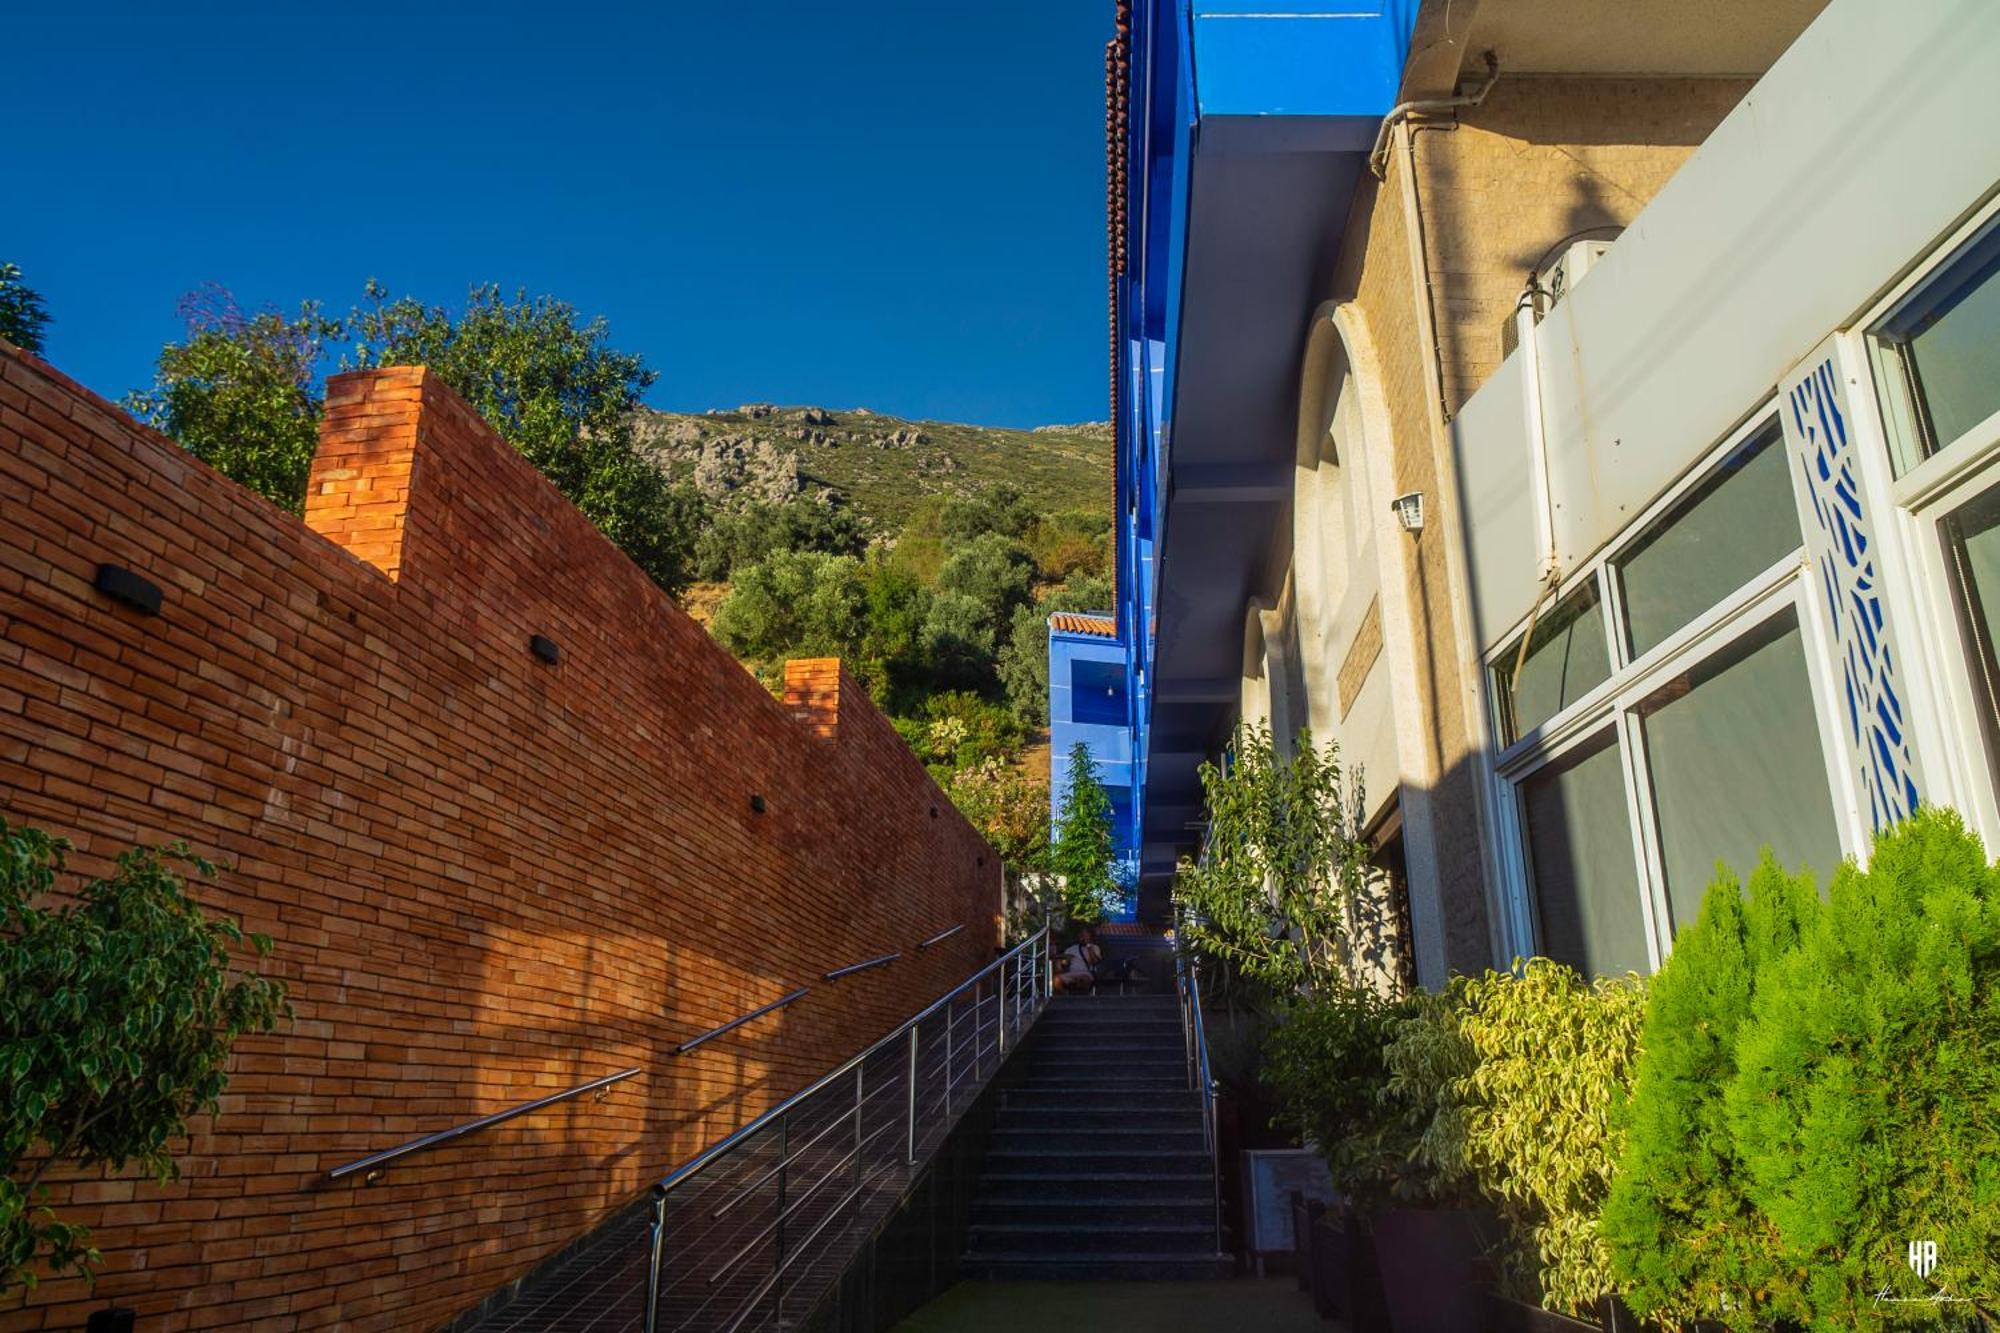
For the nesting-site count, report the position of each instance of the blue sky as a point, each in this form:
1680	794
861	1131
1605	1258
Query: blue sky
894	203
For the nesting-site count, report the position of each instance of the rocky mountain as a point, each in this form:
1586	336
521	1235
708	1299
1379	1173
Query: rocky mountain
881	465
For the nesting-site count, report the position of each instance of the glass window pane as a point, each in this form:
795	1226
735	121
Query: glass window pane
1972	550
1579	837
1733	750
1735	525
1946	344
1568	659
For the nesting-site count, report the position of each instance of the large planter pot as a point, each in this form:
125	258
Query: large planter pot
1432	1262
1346	1284
1509	1316
1505	1316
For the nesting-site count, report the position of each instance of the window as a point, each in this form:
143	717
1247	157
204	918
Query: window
1580	861
1566	660
1665	719
1972	558
1938	354
1734	757
1736	524
1936	357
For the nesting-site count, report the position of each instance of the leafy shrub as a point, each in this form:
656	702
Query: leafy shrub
1866	1103
1426	1060
117	1013
1552	1054
1325	1063
1284	857
795	604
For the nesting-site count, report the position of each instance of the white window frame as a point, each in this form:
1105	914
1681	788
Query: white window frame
1958	769
1612	705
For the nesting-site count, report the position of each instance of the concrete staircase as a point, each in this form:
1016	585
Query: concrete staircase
1097	1166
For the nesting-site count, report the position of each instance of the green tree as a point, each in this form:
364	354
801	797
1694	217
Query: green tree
795	604
118	1009
1284	858
243	392
1082	851
1023	663
1000	510
738	538
23	313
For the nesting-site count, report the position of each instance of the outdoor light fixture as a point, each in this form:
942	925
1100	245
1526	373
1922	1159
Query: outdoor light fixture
542	646
122	585
757	801
1409	510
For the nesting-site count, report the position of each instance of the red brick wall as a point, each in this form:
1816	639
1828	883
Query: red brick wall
487	878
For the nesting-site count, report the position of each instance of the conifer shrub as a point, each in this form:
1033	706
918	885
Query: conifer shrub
1552	1054
1866	1103
1685	1239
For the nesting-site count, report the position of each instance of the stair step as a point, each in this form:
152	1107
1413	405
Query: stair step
1053	1097
1078	1081
1196	1211
1187	1115
1091	1142
1127	1267
1041	1157
1196	1238
1108	1187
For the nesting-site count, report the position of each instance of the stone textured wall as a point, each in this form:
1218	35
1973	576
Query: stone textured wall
488	878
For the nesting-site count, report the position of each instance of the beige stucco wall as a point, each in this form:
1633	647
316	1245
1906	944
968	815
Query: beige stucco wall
1541	159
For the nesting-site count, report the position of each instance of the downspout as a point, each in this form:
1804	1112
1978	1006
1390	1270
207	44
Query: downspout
1427	917
1526	314
1378	157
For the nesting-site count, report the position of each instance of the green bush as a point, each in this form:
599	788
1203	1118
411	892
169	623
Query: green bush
118	1009
1552	1055
1866	1103
1684	1237
1325	1065
1427	1060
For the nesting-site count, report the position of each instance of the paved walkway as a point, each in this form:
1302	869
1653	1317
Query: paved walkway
1242	1305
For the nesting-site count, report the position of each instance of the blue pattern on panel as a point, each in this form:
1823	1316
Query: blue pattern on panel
1844	552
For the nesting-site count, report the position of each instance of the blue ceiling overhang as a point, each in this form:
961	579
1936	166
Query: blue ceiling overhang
1287	98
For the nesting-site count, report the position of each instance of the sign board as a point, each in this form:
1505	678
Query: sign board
1270	1177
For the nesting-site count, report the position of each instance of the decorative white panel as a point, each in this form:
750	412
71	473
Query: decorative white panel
1843	543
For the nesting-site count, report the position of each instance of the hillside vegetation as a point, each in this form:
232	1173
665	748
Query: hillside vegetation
880	466
927	556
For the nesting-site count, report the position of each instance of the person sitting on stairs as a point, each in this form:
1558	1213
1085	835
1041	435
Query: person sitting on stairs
1077	970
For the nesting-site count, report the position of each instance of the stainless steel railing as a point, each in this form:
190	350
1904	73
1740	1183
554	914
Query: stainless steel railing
1188	984
754	1229
371	1167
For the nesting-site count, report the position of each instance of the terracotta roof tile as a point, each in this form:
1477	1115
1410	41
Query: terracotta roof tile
1070	622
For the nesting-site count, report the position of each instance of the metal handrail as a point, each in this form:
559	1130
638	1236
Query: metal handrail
942	935
372	1165
852	968
839	1150
739	1021
720	1146
1188	982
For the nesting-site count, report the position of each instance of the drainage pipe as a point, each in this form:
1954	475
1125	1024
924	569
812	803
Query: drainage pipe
1378	157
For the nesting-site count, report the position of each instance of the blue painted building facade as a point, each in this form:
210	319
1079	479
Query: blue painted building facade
1089	705
1239	128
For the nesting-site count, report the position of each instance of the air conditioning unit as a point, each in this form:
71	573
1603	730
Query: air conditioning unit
1560	278
1554	281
